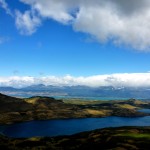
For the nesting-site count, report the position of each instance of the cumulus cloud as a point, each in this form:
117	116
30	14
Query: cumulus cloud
4	5
27	22
116	80
120	21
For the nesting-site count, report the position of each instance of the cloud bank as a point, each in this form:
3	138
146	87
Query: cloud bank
116	80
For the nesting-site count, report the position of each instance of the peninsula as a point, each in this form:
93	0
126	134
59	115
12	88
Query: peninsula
14	109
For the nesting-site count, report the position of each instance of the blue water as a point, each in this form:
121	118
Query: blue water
144	110
25	95
69	126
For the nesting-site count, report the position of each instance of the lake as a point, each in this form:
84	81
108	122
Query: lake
69	126
92	98
25	95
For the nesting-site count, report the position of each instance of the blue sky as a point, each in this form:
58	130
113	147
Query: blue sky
37	42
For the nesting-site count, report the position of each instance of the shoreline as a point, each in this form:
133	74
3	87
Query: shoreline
107	138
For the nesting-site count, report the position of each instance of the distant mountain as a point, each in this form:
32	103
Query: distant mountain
8	89
78	91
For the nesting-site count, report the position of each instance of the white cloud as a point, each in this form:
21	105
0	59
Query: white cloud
58	10
4	39
27	23
16	81
4	5
116	80
119	21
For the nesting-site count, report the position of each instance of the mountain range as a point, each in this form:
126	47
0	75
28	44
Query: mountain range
78	91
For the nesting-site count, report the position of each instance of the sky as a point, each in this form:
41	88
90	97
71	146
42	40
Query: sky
75	42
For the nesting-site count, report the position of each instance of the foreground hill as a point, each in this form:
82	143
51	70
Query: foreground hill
42	108
122	138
